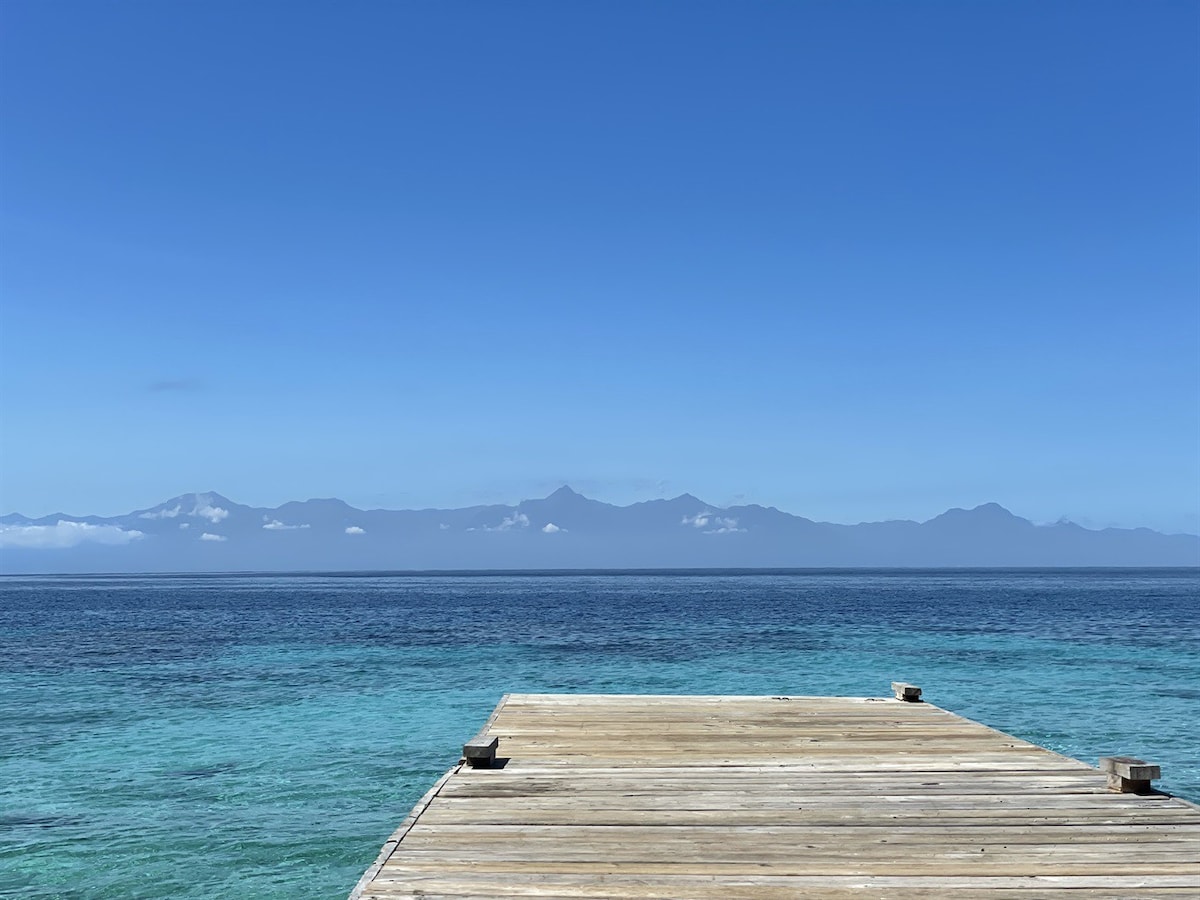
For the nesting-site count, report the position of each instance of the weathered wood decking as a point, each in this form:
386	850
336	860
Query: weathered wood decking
768	797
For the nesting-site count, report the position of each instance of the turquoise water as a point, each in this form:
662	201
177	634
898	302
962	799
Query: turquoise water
261	736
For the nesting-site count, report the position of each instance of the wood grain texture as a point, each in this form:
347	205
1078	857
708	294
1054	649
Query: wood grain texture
772	797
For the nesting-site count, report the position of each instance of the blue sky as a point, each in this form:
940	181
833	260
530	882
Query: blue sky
856	260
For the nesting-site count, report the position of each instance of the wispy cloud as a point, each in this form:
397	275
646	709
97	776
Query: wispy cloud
508	523
65	534
204	509
711	523
185	524
209	536
354	529
724	525
551	528
276	525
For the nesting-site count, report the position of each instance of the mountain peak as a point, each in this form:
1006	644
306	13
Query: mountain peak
564	493
992	509
992	514
199	498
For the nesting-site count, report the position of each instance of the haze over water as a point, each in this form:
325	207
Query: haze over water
260	737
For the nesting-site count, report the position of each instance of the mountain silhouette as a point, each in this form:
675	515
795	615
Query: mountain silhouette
207	531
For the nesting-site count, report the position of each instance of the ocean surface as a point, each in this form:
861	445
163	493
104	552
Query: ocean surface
261	736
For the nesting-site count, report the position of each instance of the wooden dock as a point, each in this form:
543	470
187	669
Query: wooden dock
768	797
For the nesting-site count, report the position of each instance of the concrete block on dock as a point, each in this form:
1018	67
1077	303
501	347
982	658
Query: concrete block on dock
910	693
480	751
1129	775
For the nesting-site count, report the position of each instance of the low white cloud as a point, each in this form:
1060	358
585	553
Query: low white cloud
444	527
711	523
185	524
205	510
724	525
65	534
209	536
354	529
508	523
276	525
551	528
202	509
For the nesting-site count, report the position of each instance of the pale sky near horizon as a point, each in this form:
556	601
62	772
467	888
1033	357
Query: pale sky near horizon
857	260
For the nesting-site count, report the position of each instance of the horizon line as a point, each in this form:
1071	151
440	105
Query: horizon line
563	572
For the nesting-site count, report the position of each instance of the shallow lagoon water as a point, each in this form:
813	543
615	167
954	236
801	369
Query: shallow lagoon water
260	736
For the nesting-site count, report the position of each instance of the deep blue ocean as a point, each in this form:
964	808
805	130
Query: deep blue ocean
261	736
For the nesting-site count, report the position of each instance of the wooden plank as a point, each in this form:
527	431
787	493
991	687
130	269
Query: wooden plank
712	796
703	887
393	842
706	890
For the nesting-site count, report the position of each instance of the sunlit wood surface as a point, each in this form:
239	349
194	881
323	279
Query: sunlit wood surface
766	797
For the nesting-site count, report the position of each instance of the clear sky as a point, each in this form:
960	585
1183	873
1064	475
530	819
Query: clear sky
858	260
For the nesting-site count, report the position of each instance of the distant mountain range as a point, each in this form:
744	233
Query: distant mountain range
207	532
